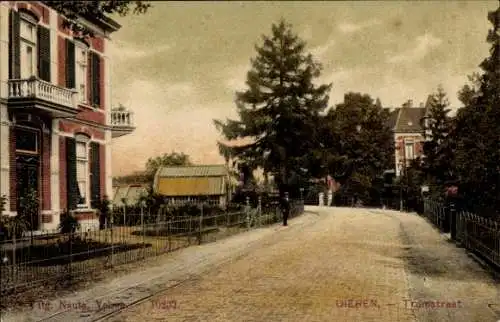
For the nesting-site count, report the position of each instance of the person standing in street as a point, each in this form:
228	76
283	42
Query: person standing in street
285	208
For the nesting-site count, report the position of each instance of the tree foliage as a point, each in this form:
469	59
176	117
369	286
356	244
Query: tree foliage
99	10
357	143
167	159
436	163
470	91
475	131
134	178
478	130
280	109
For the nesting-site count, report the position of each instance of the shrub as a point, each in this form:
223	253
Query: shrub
3	200
68	224
11	226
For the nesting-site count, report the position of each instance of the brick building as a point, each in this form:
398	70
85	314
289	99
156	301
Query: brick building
407	124
56	121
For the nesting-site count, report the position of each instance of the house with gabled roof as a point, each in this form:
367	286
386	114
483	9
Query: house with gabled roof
407	125
194	183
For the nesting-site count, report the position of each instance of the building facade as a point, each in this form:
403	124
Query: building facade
56	121
407	124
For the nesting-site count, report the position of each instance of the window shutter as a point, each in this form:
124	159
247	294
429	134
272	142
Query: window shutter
95	77
70	64
14	46
72	183
95	170
89	78
44	53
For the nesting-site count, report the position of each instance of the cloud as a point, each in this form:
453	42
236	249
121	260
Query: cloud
306	33
125	51
320	51
349	27
424	44
168	117
236	77
165	96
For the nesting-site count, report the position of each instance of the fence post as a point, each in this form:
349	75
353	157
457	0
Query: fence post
259	210
169	233
453	221
14	248
14	259
157	229
247	211
200	226
70	255
112	241
143	231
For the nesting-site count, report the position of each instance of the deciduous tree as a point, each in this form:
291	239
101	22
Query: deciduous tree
476	132
73	10
167	159
358	144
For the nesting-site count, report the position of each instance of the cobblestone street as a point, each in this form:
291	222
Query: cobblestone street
336	264
350	265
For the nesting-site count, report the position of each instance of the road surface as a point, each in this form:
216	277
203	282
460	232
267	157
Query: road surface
336	264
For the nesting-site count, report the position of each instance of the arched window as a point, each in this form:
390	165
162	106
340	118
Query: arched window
82	169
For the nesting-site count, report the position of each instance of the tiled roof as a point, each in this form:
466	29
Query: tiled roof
193	171
393	116
409	120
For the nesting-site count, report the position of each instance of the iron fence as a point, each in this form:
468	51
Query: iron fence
436	213
476	233
59	259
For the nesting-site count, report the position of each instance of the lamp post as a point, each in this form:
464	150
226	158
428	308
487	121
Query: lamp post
400	186
451	193
402	173
424	190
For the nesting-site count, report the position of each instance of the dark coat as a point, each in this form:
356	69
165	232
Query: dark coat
285	205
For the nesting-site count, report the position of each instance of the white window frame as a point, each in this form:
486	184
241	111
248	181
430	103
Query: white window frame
81	70
36	132
28	41
83	179
409	147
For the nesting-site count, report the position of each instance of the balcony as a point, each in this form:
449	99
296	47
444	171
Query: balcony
122	122
35	93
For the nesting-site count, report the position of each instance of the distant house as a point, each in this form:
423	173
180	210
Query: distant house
407	125
128	194
182	184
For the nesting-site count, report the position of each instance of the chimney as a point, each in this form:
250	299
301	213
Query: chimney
421	104
410	103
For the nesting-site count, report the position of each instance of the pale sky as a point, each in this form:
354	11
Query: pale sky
178	66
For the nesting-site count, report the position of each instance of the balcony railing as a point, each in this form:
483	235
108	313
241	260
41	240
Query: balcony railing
122	118
35	88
